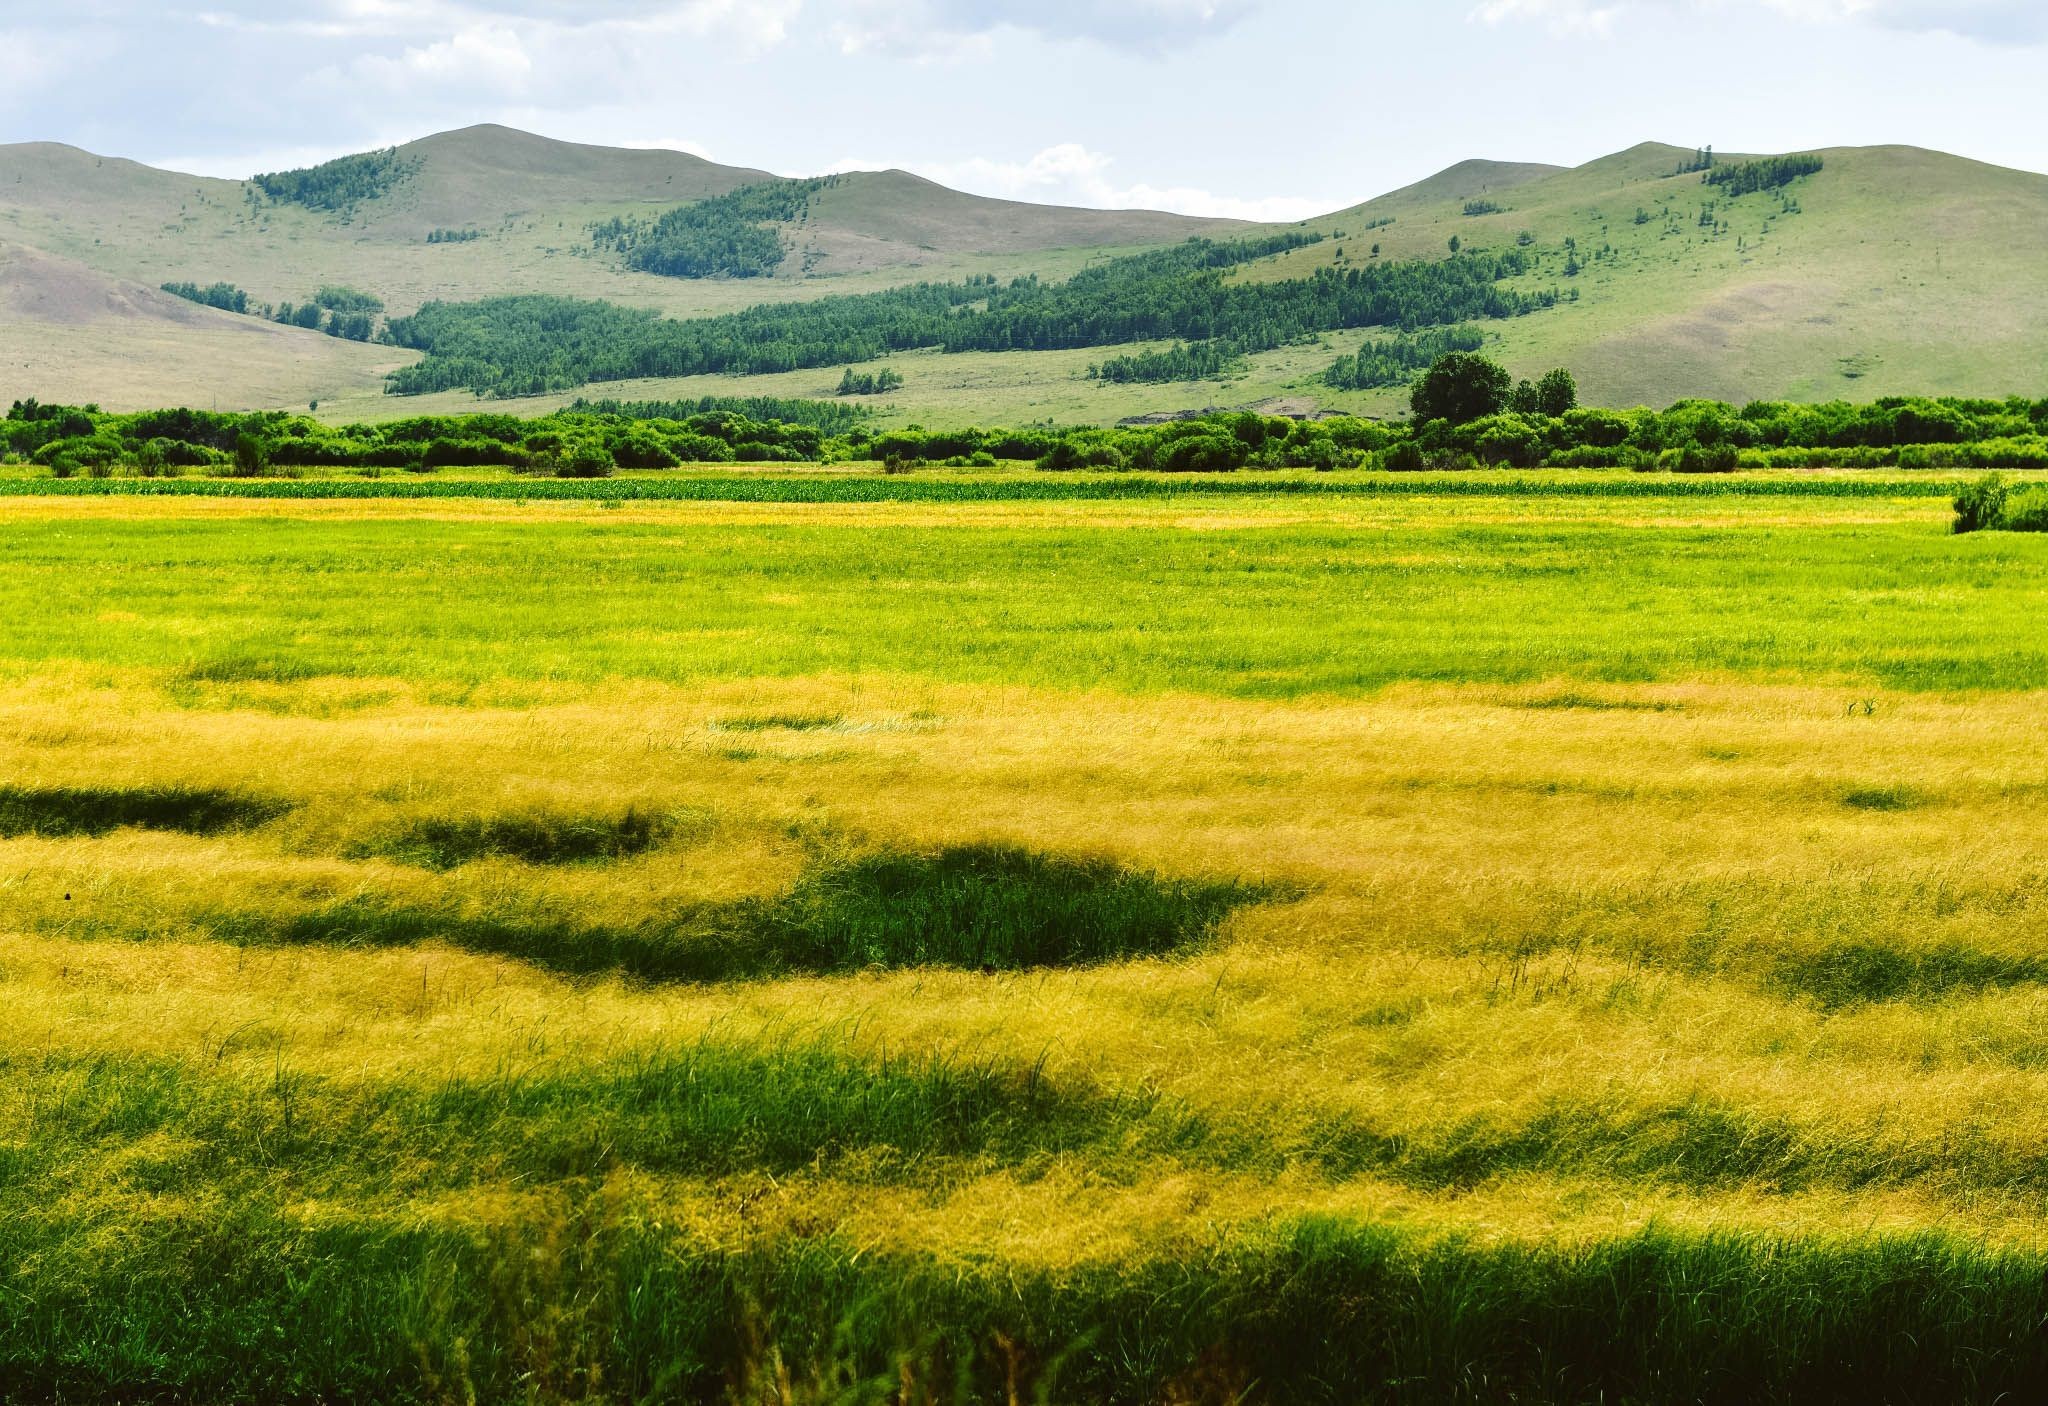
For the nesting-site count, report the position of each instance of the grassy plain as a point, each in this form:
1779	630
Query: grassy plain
1570	949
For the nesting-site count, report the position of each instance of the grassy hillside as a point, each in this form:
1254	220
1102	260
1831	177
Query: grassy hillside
528	200
1892	270
76	335
1904	271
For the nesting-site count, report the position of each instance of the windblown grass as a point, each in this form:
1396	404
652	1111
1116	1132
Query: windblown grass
1076	1001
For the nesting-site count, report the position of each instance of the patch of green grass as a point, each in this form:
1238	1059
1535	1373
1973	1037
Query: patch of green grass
989	908
1574	700
1886	798
245	668
711	1109
57	812
779	722
596	1289
1856	973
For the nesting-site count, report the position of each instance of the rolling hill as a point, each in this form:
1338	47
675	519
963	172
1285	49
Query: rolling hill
1898	270
1890	269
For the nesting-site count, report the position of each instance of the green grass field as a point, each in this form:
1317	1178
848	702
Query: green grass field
1331	940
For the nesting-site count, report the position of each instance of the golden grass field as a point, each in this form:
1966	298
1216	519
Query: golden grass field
1576	1036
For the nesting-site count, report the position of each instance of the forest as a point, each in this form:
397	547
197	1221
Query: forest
726	236
1770	173
338	186
347	313
1393	361
1183	361
870	382
533	344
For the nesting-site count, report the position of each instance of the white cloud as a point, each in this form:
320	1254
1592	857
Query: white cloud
943	28
1073	174
486	60
754	24
1994	21
1562	16
1988	21
916	27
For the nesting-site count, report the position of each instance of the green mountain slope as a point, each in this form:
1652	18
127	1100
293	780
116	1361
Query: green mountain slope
524	205
1901	270
1891	269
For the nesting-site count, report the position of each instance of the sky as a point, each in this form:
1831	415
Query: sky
1269	109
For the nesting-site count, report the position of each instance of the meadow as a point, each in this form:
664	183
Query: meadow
1475	939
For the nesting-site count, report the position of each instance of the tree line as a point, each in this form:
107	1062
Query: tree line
225	296
533	344
1469	413
347	313
832	417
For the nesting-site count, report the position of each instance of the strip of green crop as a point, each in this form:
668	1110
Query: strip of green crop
864	489
187	1306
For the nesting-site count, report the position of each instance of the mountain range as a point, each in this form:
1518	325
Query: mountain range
1888	269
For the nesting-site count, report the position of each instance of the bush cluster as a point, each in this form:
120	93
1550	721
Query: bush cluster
1991	505
586	443
1471	415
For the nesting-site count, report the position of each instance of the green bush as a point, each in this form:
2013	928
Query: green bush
1981	506
1510	440
588	460
1704	459
1403	458
1202	454
2028	513
641	450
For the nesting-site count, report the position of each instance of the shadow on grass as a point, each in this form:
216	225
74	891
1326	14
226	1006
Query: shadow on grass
984	908
62	812
444	843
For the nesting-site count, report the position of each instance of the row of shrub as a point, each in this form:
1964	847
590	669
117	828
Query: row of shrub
586	443
1683	441
597	440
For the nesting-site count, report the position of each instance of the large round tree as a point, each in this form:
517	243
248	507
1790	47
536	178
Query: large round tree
1461	388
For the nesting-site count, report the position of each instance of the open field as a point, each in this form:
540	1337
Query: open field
1369	945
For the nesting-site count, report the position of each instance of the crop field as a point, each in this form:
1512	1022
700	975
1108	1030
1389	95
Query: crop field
1335	943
